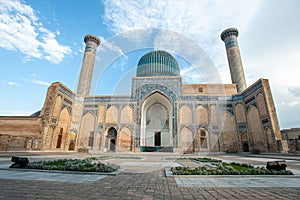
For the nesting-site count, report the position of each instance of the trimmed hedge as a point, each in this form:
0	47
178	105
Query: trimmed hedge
211	160
229	169
86	165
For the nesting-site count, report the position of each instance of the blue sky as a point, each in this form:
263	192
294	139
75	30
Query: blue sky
41	42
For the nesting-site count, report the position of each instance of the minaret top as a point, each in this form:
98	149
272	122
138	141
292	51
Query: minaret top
229	32
93	38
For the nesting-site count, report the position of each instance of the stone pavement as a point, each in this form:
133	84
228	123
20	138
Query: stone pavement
143	184
49	176
234	182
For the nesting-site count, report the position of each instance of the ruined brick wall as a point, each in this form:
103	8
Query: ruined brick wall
20	133
292	138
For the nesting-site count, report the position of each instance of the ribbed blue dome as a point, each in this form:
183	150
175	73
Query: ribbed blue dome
157	63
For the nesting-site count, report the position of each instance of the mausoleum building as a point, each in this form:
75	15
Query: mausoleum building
160	114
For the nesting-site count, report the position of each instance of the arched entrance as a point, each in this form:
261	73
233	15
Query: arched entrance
59	140
202	140
111	139
72	141
156	124
244	141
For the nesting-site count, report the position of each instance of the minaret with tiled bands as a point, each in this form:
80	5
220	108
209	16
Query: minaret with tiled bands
229	36
91	44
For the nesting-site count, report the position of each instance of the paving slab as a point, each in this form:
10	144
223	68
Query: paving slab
238	182
49	176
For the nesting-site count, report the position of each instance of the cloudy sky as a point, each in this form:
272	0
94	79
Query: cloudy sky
42	42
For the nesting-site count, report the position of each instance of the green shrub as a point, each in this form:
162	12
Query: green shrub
88	165
256	151
232	168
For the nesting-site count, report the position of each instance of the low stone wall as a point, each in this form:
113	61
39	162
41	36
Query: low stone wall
20	133
294	145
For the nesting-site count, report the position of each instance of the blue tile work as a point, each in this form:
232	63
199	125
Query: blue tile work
95	112
170	93
66	92
172	83
109	99
157	63
66	106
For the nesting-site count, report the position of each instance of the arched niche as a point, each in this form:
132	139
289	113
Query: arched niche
240	113
185	115
127	115
125	139
229	133
256	131
87	131
112	115
186	140
201	116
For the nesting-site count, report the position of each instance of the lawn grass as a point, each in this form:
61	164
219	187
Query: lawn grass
239	167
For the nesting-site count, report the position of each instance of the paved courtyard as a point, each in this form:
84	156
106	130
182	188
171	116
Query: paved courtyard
142	176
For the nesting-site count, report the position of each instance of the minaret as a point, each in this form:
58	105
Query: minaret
229	36
86	74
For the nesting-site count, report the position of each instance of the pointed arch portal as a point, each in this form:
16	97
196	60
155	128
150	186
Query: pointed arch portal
156	124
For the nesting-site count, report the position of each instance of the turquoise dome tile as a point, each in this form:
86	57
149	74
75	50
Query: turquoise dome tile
157	63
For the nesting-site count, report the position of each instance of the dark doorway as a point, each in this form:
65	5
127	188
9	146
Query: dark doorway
157	141
59	139
111	139
245	147
112	146
72	146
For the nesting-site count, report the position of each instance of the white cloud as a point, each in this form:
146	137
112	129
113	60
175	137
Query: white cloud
54	52
12	83
294	103
295	91
21	30
39	82
269	38
270	49
190	75
202	21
